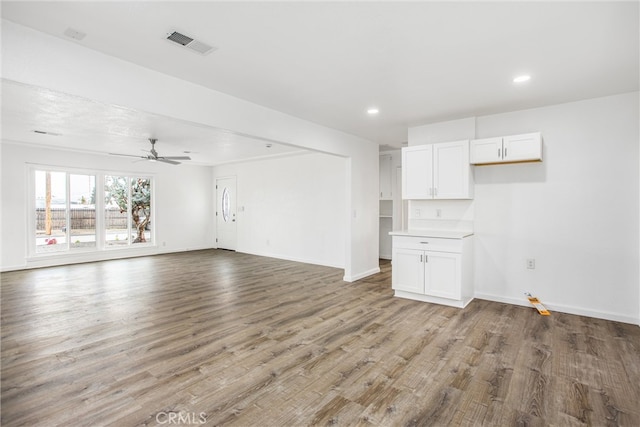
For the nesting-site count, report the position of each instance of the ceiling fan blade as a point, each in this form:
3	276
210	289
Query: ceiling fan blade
153	156
165	160
127	155
176	157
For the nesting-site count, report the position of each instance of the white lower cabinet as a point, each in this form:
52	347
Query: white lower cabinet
408	270
434	270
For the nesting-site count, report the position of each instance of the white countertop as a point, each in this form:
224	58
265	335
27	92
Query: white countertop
444	234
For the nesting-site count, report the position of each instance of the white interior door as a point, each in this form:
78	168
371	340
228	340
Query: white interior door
226	213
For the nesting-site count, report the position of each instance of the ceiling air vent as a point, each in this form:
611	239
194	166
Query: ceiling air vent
189	43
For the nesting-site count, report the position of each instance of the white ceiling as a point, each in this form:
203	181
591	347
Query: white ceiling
327	62
81	124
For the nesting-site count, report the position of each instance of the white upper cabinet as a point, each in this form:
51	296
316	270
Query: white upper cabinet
417	172
507	149
521	148
451	171
488	150
437	171
386	192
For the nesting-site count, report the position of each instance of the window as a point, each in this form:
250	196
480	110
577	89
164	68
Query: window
127	210
64	211
226	205
82	218
68	217
116	211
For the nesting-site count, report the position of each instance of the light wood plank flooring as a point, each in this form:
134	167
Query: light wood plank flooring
234	339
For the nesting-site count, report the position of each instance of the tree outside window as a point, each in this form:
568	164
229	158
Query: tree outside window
127	210
68	217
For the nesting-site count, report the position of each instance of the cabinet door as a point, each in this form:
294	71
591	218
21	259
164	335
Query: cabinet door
520	148
385	177
488	150
417	172
451	170
408	270
442	274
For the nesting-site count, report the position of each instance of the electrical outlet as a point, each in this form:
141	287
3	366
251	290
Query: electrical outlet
531	264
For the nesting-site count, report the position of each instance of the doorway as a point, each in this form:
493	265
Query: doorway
226	225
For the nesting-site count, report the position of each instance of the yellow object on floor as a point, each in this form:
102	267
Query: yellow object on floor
538	305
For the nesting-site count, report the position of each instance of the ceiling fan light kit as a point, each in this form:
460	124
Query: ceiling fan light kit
154	157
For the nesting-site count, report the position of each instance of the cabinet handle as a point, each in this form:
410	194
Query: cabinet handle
425	243
505	152
499	151
420	258
426	258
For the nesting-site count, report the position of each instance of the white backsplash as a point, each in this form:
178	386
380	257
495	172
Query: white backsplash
441	214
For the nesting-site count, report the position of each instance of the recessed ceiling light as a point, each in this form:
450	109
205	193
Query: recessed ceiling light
521	79
373	111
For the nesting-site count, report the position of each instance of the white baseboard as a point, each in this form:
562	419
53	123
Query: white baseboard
97	256
362	275
6	268
290	258
561	308
346	278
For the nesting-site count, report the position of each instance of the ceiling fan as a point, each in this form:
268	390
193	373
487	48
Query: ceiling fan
154	157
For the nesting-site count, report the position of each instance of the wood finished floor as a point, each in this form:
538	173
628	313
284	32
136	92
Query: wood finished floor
241	340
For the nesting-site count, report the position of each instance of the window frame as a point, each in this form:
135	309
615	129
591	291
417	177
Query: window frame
130	244
100	228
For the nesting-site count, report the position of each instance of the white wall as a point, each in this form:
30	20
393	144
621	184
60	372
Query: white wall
454	130
31	57
576	213
182	219
292	207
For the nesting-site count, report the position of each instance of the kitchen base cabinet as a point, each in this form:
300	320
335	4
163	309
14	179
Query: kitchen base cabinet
437	270
407	270
442	275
